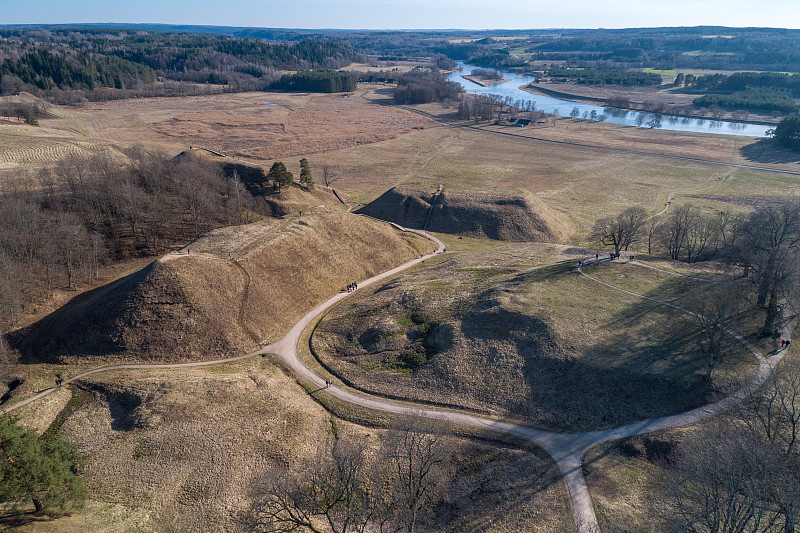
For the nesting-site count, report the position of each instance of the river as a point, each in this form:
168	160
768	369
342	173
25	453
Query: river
558	106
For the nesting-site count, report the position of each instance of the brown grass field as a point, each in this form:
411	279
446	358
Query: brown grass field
200	304
244	125
186	452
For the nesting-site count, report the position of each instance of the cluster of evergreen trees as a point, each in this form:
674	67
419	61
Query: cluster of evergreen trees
319	81
498	61
86	59
46	70
760	98
740	81
600	76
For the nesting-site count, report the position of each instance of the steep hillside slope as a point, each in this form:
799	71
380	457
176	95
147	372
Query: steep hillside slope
224	292
497	214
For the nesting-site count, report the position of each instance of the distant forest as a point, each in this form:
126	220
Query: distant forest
70	64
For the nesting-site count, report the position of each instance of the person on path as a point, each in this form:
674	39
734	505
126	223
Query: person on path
596	257
783	344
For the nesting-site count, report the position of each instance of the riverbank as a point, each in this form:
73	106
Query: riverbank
641	107
483	82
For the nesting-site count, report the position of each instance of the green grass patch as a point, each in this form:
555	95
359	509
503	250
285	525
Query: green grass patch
666	72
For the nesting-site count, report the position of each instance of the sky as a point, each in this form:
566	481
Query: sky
409	14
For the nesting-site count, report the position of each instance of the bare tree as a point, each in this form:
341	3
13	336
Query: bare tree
676	229
726	481
652	230
769	247
329	175
621	231
417	455
713	310
333	490
773	412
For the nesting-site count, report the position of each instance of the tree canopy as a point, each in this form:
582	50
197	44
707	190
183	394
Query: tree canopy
279	175
788	132
42	471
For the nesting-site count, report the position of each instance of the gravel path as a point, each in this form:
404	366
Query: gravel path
567	449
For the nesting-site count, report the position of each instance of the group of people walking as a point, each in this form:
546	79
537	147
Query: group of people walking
353	286
785	343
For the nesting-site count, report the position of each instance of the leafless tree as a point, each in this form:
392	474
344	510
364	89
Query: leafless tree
333	490
773	412
726	481
676	229
652	230
417	454
329	175
622	230
713	310
770	247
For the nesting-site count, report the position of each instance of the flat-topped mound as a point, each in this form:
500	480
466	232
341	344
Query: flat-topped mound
514	215
516	332
203	303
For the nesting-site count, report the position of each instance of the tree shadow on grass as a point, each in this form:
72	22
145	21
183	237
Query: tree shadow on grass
768	151
651	366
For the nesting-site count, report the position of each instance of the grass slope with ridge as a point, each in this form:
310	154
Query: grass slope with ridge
205	305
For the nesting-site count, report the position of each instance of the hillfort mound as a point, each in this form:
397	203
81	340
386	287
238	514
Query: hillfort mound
501	215
224	293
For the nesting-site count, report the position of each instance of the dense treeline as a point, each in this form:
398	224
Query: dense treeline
47	70
421	86
761	98
321	81
596	76
740	81
53	62
58	230
498	61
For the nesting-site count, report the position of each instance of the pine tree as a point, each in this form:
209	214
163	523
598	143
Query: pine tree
279	175
39	470
305	174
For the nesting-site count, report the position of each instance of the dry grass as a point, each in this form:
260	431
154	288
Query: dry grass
239	124
506	215
201	305
623	479
184	451
542	344
579	184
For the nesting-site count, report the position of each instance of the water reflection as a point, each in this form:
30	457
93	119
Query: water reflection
510	93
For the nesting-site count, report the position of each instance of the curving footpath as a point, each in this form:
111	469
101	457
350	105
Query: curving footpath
567	449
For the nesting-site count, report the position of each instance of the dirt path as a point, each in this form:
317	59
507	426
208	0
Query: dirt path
567	449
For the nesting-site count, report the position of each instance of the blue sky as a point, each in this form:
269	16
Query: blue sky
410	14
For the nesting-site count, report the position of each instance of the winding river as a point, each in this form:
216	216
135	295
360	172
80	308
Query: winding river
563	108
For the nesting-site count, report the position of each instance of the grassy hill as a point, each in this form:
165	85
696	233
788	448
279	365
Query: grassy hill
205	305
507	215
518	333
